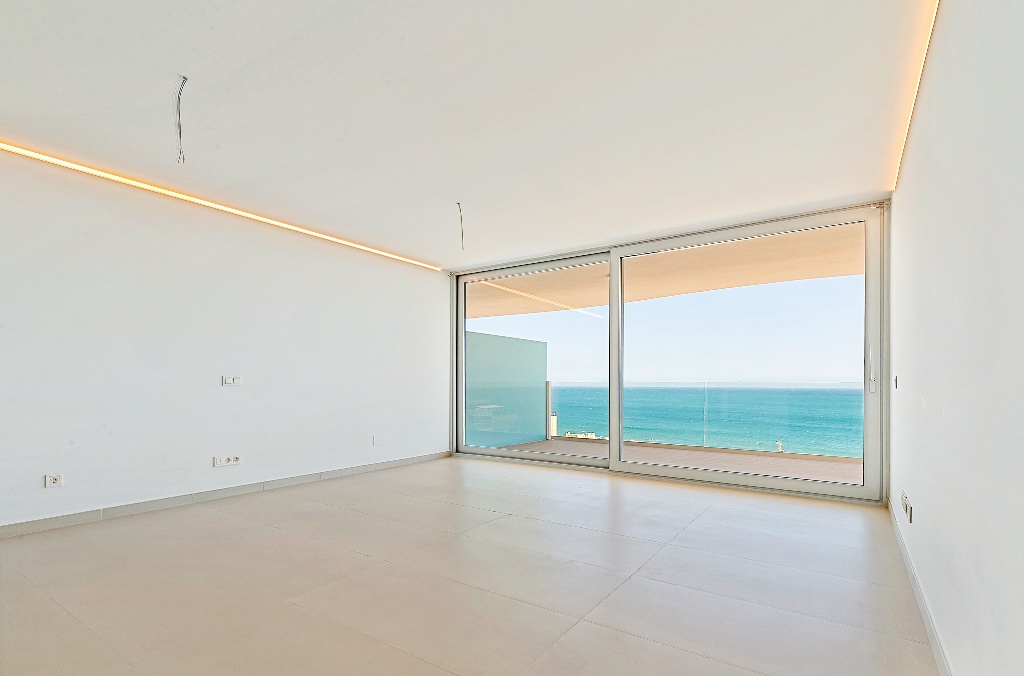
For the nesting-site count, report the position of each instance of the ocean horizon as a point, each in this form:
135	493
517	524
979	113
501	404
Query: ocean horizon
811	418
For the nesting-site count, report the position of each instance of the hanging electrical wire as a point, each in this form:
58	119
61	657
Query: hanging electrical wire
177	116
462	228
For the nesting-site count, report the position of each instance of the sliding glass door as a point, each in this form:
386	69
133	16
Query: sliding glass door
534	357
750	356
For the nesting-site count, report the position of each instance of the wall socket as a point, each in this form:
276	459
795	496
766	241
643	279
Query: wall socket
231	381
379	440
907	507
53	481
225	460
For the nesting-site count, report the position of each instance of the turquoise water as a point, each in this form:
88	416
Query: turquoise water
823	421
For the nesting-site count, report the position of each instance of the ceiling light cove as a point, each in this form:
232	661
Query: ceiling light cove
17	150
917	90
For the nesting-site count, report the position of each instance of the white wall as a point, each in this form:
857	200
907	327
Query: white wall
120	311
958	336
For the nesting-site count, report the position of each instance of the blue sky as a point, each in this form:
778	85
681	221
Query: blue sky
807	331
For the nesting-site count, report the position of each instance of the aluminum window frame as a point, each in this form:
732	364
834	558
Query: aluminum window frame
873	215
461	281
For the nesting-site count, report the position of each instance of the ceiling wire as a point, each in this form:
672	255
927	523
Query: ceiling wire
177	116
462	228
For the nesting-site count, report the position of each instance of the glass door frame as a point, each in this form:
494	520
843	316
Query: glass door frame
460	358
875	372
873	218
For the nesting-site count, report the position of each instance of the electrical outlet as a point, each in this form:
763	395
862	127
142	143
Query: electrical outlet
231	381
907	507
225	460
379	440
53	481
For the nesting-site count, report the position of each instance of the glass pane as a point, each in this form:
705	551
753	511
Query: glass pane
536	356
748	356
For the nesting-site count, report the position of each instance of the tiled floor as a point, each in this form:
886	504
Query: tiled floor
468	566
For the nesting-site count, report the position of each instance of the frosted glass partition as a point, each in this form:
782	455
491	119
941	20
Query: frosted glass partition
506	390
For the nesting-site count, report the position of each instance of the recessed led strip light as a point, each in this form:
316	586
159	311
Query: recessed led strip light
543	300
917	90
205	203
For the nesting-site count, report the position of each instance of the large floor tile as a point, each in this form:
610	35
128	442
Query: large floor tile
860	604
460	628
431	513
472	496
282	563
13	585
868	565
189	524
144	605
285	641
754	636
645	523
598	548
544	484
863	534
342	492
832	511
631	491
37	636
636	505
598	651
268	507
479	469
50	557
360	532
551	582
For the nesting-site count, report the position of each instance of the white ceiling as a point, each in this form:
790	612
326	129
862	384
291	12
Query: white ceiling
558	125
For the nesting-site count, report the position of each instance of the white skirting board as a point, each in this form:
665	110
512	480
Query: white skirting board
933	635
26	527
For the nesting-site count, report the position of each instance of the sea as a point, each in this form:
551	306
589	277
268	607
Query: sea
819	420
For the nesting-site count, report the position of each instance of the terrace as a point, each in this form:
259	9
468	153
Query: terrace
827	468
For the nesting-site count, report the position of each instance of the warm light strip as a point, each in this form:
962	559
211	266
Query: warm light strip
205	203
917	89
543	300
